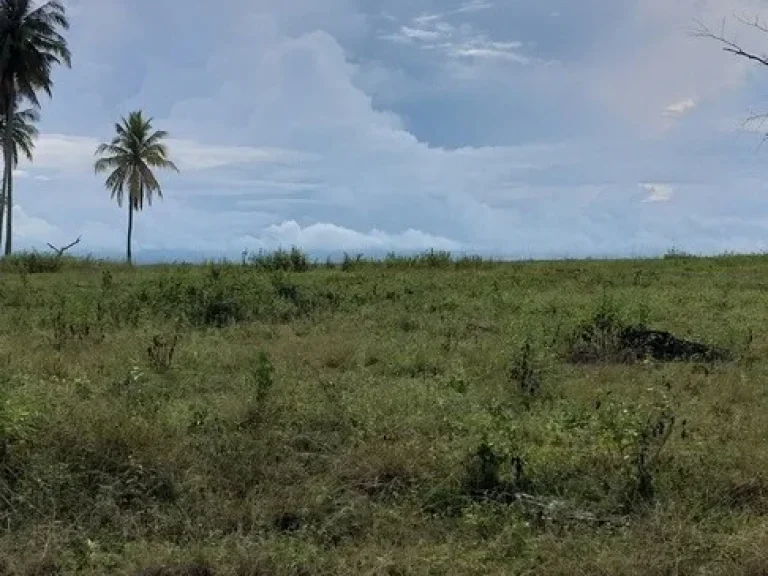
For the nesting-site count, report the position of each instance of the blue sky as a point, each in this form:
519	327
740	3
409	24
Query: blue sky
507	127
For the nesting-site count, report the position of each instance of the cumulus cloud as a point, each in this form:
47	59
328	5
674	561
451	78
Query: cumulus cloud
324	236
284	144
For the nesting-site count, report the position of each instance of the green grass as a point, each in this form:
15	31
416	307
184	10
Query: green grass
412	416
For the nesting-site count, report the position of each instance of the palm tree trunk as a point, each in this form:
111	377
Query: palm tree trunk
6	137
130	230
2	203
8	184
9	206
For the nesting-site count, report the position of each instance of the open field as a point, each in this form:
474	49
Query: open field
417	417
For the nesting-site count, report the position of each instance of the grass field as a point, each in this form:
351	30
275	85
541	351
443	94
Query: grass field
413	416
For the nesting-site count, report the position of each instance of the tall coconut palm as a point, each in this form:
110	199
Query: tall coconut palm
31	44
129	159
23	134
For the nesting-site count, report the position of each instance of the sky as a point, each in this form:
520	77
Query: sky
509	128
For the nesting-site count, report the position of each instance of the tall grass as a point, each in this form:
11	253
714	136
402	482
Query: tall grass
420	415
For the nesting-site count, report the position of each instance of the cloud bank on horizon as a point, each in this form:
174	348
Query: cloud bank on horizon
547	128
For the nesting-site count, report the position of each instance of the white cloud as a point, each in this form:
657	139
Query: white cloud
433	32
411	34
680	108
474	6
76	154
193	155
20	173
658	192
469	51
325	236
425	19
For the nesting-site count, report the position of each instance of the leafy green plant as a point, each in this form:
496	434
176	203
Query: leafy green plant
638	434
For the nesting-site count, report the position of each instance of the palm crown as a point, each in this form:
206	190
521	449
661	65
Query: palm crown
31	46
130	157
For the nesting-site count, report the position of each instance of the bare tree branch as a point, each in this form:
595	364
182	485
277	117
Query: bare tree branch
732	46
702	31
60	251
754	23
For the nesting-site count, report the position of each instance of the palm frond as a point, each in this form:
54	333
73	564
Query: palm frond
112	148
22	134
159	161
151	185
110	163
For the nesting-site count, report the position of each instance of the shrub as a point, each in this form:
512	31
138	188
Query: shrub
491	474
638	434
33	262
599	339
348	262
288	261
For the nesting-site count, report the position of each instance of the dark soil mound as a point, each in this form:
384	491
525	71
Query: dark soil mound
666	347
607	339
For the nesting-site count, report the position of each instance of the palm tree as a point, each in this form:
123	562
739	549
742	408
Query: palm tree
30	45
23	134
129	159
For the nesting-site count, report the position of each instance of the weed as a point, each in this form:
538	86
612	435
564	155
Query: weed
72	324
348	263
263	378
160	352
525	373
260	385
484	475
639	434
